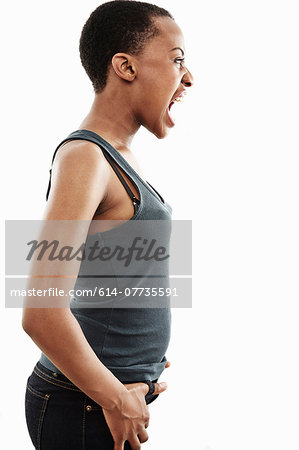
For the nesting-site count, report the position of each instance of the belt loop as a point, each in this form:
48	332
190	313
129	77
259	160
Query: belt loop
151	386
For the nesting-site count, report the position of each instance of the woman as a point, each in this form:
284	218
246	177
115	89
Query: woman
80	395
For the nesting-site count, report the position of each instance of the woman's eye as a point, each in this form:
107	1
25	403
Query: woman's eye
179	61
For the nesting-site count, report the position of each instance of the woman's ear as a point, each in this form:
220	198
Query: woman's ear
124	66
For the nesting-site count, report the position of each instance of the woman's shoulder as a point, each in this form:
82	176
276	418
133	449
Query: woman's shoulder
77	151
79	180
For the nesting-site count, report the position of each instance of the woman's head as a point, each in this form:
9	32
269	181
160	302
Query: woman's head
116	26
138	49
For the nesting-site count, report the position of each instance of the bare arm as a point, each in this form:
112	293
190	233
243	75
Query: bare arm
75	195
79	183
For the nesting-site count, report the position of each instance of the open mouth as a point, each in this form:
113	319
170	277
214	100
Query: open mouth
177	99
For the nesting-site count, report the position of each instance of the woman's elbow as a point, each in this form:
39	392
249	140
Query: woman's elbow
27	325
33	320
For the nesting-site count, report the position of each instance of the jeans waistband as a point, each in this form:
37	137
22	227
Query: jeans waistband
55	378
61	380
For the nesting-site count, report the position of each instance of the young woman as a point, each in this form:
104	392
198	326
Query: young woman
99	367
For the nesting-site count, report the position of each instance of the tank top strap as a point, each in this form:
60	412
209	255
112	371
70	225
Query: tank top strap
109	152
160	196
134	199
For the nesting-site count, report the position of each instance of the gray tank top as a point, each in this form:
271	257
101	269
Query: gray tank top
131	342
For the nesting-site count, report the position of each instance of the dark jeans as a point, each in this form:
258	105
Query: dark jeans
60	416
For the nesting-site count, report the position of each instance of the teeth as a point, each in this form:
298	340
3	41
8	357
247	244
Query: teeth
177	100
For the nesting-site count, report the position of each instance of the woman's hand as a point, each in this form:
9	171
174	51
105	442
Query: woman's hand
129	422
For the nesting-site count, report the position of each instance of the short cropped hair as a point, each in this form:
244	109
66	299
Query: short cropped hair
117	26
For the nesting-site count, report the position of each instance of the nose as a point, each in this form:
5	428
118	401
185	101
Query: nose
188	79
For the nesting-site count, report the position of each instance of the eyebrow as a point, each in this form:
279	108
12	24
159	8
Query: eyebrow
178	48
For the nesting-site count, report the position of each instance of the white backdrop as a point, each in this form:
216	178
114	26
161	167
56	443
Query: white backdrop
232	167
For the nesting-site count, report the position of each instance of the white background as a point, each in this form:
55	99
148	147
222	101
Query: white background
230	164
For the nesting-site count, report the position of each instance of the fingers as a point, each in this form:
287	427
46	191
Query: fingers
135	443
143	436
160	387
119	445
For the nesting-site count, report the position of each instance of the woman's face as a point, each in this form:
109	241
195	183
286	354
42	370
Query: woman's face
161	77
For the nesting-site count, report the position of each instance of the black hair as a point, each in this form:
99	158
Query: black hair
116	26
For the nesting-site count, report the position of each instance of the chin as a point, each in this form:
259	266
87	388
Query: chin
160	133
160	130
162	136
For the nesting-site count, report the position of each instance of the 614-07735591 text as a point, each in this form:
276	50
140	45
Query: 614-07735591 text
100	291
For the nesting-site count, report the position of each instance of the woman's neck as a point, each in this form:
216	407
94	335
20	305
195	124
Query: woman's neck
111	117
